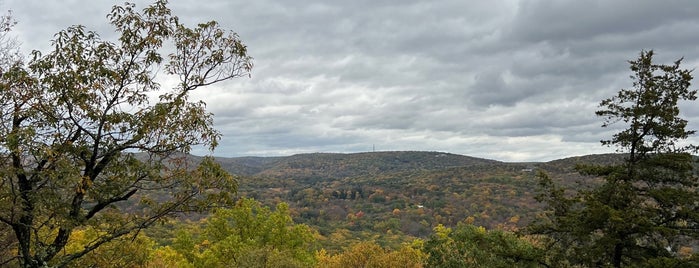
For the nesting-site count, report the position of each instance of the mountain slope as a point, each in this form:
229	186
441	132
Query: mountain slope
398	192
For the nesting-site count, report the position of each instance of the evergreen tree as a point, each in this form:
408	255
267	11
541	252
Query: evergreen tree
647	206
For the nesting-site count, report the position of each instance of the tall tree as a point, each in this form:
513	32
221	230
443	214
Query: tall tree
84	141
647	206
9	56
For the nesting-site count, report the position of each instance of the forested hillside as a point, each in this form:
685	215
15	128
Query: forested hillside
396	196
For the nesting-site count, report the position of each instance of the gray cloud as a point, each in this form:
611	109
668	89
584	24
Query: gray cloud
510	80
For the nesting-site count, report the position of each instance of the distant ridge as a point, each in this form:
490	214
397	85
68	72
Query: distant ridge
339	165
568	164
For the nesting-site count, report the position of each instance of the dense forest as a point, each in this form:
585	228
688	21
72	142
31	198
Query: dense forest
397	196
374	209
388	209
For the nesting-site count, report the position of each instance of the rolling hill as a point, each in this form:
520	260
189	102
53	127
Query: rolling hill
401	194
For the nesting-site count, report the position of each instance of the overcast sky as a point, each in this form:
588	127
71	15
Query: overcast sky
505	80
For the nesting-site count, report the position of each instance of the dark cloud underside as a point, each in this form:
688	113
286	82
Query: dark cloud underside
510	80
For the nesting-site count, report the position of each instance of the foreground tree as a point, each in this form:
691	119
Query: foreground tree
648	206
9	55
247	235
127	251
82	142
470	246
370	254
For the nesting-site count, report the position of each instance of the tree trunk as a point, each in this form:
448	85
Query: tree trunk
616	259
24	238
22	228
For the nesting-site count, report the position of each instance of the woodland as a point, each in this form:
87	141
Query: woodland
96	173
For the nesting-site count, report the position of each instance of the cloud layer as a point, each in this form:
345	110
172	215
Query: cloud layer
507	80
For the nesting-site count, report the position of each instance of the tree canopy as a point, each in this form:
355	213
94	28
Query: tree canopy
468	245
82	131
248	235
647	207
